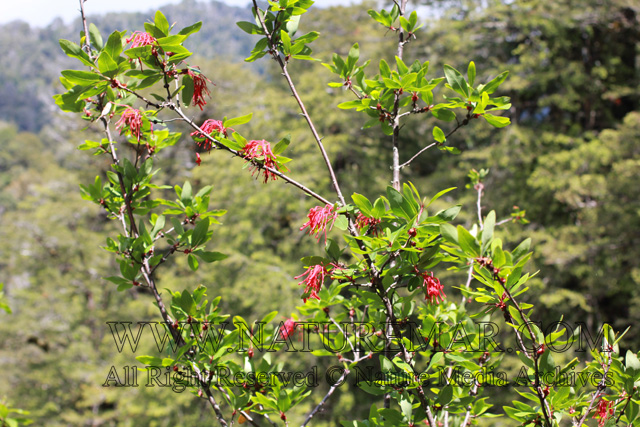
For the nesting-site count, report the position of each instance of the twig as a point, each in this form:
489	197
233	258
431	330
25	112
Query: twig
238	154
479	188
324	399
87	42
602	386
396	108
292	87
454	130
405	164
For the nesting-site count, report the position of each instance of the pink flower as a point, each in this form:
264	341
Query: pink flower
199	88
363	221
207	127
132	119
140	38
289	327
198	159
319	219
433	289
261	150
314	281
603	410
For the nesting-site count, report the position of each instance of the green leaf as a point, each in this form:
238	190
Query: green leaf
487	229
385	70
191	29
352	58
193	262
521	250
74	51
200	232
456	81
444	115
471	73
399	205
496	121
187	92
286	42
363	204
187	303
631	362
438	134
238	120
95	37
449	233
468	243
440	194
81	78
161	23
249	28
107	65
282	145
493	84
114	45
211	256
445	395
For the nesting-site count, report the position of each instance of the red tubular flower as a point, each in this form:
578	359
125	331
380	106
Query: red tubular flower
314	281
140	38
132	119
363	221
319	219
289	327
261	150
207	127
433	289
198	159
603	410
199	88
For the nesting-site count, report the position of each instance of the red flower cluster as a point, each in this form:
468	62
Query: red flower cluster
363	221
132	119
199	88
433	289
261	150
289	327
140	38
207	127
319	219
314	280
603	410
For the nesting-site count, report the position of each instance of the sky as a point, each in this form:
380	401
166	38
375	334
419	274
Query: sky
42	12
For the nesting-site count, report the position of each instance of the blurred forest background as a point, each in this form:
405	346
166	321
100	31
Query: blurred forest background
571	158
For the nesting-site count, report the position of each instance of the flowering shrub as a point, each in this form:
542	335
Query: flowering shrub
392	249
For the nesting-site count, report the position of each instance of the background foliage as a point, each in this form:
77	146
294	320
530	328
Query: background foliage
571	159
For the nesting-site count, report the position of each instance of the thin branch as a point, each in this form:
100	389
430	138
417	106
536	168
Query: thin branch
238	154
87	42
602	386
396	108
454	130
303	109
329	393
408	162
479	188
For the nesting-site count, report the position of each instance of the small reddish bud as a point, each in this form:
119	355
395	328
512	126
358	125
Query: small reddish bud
198	159
175	368
250	352
283	417
412	232
540	350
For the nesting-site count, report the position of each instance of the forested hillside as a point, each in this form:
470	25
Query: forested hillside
571	160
